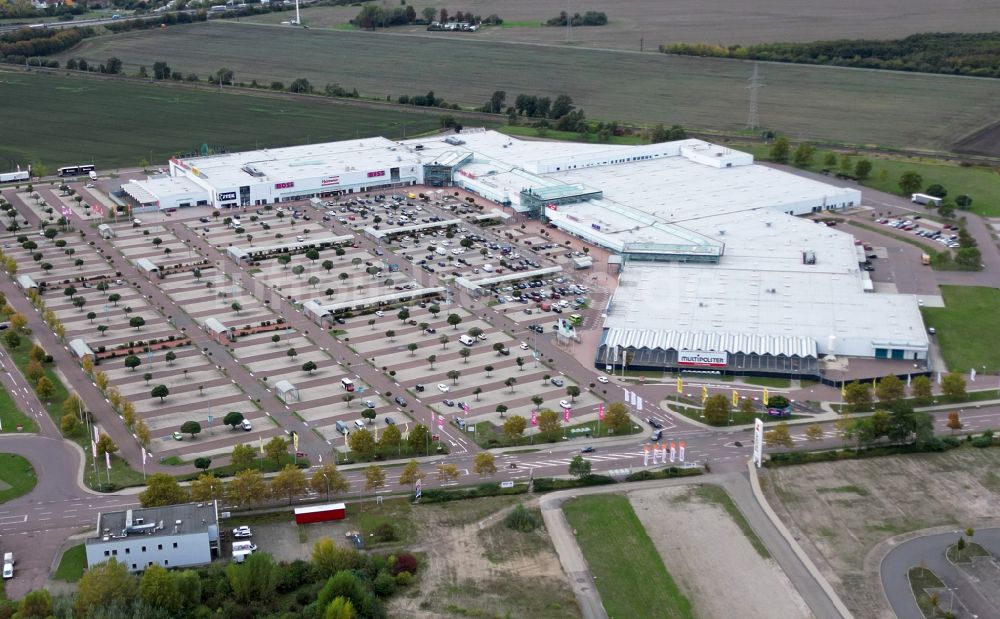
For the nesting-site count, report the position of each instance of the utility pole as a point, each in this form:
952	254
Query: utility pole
755	84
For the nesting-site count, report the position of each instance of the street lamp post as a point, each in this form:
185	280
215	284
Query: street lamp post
327	485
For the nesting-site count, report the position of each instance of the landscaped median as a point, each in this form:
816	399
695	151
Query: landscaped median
17	477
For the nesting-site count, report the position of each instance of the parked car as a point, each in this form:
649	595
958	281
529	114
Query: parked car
558	382
443	388
400	400
602	379
243	531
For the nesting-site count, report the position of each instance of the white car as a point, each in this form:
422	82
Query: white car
8	571
380	313
242	532
89	185
524	346
602	379
565	404
443	388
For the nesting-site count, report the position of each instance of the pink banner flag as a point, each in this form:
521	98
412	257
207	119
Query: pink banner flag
600	412
534	418
566	415
441	421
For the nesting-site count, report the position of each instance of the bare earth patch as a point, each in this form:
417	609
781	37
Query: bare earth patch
711	560
463	579
840	511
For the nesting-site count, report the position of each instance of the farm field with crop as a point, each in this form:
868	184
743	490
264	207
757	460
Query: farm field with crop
64	120
696	21
805	102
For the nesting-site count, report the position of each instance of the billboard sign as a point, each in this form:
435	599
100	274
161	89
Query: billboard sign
758	442
229	195
333	180
376	174
702	358
284	185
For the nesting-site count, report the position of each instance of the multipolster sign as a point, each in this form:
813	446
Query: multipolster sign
702	358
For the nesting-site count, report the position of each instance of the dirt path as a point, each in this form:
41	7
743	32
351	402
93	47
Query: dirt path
702	547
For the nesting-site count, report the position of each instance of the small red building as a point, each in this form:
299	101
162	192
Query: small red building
320	513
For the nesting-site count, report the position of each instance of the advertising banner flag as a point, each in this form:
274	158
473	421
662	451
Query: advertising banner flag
93	448
465	407
680	452
534	418
736	398
295	441
600	411
765	398
441	421
680	385
704	393
972	375
638	403
566	415
260	444
107	459
673	450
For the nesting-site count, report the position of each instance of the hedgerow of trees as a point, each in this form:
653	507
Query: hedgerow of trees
976	54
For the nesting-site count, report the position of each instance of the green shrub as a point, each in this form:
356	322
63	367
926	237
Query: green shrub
520	519
982	442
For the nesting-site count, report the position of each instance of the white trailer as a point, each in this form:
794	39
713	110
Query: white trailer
923	198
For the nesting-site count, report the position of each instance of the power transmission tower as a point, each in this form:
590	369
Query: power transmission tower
755	84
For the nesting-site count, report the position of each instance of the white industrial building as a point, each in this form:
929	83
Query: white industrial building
172	536
715	263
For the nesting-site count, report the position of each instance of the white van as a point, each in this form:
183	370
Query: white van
488	268
468	340
359	424
235	223
347	384
440	251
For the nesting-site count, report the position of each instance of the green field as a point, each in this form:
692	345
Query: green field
72	564
11	416
967	328
115	123
628	570
17	477
843	105
981	183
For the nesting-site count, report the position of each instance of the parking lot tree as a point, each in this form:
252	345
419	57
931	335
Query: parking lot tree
484	464
537	401
170	357
921	390
474	332
465	353
444	341
403	315
289	482
348	398
498	347
780	150
369	414
390	438
453	375
162	489
814	432
419	438
137	322
548	421
953	386
890	390
954	421
373	271
327	265
476	392
778	436
79	302
69	291
243	457
202	463
292	352
520	364
132	362
247	488
44	388
283	260
104	585
327	479
447	472
717	409
502	409
148	376
91	316
276	449
157	241
910	182
617	417
510	382
114	298
233	419
329	292
309	366
236	307
69	424
313	255
803	155
390	335
160	391
434	310
191	427
298	270
454	320
412	347
102	328
423	326
362	443
207	488
489	369
410	474
858	396
573	392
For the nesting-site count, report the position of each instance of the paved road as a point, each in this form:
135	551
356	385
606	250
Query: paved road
929	551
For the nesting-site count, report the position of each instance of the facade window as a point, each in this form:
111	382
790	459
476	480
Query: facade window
159	546
175	544
107	553
114	552
134	566
144	549
166	563
128	551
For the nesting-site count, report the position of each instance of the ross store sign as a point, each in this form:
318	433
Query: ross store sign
702	358
285	185
229	195
376	174
333	180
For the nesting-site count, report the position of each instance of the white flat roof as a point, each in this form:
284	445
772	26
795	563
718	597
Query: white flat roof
165	189
312	509
379	234
287	163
